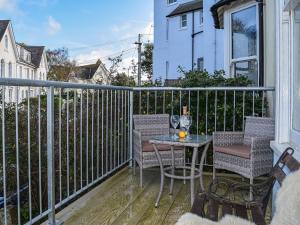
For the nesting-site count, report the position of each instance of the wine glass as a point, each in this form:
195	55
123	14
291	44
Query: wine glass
188	125
175	122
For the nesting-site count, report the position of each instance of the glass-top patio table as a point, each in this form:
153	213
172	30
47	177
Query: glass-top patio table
195	141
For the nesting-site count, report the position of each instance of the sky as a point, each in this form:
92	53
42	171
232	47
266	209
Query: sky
90	29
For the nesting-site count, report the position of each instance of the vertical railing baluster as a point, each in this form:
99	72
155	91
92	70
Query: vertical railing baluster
225	109
244	98
172	102
59	145
118	127
40	149
75	141
81	136
189	101
92	136
148	96
18	159
180	102
125	123
140	102
98	132
131	127
4	155
29	155
206	113
263	104
164	102
106	136
216	102
87	138
111	132
115	129
102	132
50	156
234	109
253	103
197	114
155	102
68	145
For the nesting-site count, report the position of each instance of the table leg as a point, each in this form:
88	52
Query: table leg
201	166
193	175
184	170
173	170
162	175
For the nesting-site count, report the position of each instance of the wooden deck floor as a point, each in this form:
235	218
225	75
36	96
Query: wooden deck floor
120	200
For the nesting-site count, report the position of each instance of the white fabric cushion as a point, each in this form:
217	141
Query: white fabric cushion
288	201
191	219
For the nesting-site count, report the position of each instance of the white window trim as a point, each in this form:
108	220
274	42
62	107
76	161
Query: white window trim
180	22
228	61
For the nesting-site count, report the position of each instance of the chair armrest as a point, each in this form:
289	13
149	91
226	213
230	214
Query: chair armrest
228	138
260	144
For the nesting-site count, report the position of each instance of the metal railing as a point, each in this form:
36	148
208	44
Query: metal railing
65	138
59	142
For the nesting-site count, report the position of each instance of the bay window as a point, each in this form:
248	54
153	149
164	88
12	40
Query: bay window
243	43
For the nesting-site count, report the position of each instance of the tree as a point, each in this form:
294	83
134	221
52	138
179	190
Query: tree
60	65
121	79
147	61
114	67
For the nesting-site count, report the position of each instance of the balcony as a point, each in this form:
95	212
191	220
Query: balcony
67	150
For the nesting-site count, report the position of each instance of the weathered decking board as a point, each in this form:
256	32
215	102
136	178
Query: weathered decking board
120	201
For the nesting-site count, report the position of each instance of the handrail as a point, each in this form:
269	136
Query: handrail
204	89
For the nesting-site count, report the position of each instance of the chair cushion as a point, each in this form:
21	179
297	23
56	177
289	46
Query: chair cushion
236	150
147	147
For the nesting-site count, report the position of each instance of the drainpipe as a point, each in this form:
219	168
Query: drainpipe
261	42
193	39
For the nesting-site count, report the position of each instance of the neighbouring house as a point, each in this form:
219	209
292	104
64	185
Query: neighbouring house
195	40
91	73
184	35
19	60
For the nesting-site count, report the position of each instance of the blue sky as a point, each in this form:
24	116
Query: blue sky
89	28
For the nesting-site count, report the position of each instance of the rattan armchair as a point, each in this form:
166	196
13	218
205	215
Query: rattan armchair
145	127
247	153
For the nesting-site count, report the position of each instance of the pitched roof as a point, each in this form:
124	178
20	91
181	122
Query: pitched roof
3	26
187	7
36	54
87	71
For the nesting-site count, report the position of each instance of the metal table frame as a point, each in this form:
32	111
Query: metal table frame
168	140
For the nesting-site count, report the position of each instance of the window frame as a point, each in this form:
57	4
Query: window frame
181	21
294	133
201	17
229	61
172	3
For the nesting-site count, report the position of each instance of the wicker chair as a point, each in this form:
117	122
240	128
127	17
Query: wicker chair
246	153
228	197
145	127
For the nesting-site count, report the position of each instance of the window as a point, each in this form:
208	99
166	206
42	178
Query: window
10	70
32	75
6	42
170	2
27	73
10	94
183	21
244	43
200	64
41	76
296	77
201	17
2	68
167	69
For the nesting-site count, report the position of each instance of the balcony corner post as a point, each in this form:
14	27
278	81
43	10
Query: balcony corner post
131	128
50	156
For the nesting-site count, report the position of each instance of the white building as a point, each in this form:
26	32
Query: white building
184	36
20	61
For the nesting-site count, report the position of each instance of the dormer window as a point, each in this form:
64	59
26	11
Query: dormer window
28	58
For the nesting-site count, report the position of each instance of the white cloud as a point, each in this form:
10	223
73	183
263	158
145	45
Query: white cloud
53	26
7	5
